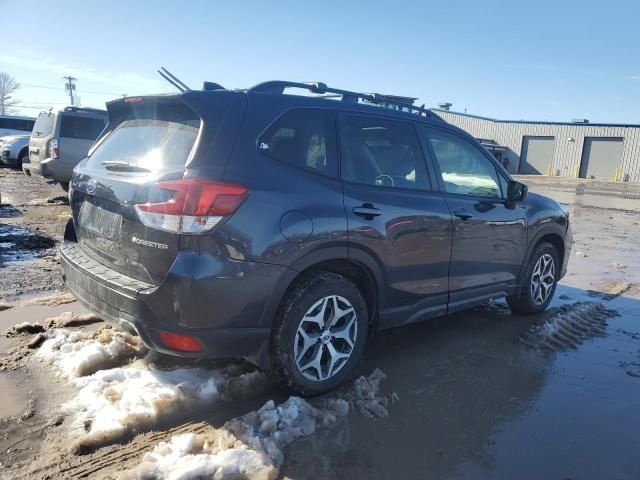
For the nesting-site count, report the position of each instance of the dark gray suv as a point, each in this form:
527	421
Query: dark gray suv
286	229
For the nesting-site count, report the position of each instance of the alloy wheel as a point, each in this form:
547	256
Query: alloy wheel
542	279
326	338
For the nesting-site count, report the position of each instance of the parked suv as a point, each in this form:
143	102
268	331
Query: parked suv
286	229
60	139
12	125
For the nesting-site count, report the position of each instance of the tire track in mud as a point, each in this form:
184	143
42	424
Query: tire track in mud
83	466
568	327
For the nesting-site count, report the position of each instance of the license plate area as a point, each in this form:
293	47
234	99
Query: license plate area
100	222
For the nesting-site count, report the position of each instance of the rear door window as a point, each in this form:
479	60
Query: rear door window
382	153
78	127
304	138
151	144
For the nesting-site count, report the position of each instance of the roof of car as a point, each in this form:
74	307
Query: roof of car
17	117
73	108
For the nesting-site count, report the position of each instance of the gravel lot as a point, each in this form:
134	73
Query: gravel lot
479	394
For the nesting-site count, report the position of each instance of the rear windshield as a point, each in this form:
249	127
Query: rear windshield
149	143
79	127
16	124
44	125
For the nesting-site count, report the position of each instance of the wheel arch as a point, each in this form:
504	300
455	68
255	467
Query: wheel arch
553	235
363	271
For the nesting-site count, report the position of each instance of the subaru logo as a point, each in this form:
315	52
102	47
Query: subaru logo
91	186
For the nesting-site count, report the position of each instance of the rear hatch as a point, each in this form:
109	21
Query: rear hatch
124	193
78	130
43	132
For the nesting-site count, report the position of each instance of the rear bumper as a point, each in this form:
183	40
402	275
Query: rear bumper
227	323
56	169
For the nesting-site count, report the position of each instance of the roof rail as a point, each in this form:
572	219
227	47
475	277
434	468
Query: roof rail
389	101
75	108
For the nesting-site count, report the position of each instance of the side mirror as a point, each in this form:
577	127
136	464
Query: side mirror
516	192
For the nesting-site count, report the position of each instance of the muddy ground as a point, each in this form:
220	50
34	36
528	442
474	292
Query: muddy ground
479	394
33	214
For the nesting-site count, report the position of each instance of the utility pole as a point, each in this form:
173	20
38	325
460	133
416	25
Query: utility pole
70	87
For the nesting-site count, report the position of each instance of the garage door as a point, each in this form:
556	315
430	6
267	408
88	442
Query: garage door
537	155
600	158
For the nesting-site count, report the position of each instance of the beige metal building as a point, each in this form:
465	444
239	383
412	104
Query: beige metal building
576	149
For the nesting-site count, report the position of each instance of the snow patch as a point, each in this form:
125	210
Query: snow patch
75	354
112	403
364	396
251	446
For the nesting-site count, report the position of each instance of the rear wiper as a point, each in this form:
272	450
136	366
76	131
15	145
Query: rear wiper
123	166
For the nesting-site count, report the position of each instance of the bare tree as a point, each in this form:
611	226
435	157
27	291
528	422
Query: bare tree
8	85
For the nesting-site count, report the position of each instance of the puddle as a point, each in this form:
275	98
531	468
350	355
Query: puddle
13	403
18	243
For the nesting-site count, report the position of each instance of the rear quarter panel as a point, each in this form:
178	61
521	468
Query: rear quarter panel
282	198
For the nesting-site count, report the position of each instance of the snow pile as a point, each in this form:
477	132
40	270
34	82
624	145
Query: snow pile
249	447
75	354
569	327
112	404
72	319
53	300
66	319
364	396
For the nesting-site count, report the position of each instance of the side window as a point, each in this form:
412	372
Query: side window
85	128
382	153
464	169
304	138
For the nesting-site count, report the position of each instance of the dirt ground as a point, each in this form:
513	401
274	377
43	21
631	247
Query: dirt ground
479	394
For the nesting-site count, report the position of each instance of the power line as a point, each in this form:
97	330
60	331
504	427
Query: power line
58	89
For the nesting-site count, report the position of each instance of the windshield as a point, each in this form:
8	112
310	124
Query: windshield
150	144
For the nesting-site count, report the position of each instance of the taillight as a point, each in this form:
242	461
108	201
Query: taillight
53	148
195	206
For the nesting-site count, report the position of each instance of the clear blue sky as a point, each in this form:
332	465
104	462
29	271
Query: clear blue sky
537	60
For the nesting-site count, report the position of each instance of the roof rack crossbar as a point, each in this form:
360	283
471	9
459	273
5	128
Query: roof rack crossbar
175	79
279	86
168	79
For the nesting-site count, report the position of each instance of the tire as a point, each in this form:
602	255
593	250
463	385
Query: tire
301	309
20	161
532	299
65	186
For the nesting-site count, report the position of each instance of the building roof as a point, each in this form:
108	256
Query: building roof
624	125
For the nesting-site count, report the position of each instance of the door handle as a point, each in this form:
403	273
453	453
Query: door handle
462	214
367	210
